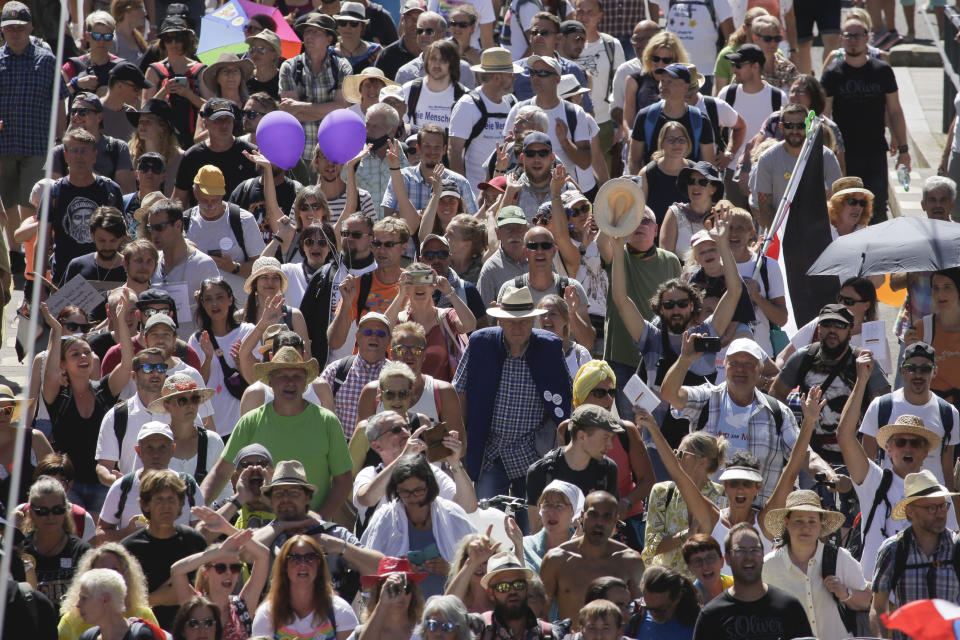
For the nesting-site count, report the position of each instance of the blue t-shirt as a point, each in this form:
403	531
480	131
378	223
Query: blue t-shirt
672	630
432	585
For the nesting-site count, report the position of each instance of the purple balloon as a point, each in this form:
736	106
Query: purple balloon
281	139
341	135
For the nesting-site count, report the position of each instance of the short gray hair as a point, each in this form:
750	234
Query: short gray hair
451	609
393	118
99	582
536	115
377	423
434	16
935	183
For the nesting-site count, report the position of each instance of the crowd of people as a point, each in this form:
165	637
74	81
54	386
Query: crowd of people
517	370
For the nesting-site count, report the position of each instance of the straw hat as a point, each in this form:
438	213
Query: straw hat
496	60
848	186
501	563
907	425
618	207
802	500
389	566
288	473
227	58
262	265
7	395
152	198
179	384
351	84
917	486
287	358
515	304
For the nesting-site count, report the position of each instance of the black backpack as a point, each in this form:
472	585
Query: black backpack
776	100
315	305
900	558
343	370
828	567
485	115
299	67
233	217
416	87
562	283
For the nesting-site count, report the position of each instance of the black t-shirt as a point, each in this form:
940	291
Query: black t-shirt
70	218
75	435
271	86
860	102
775	616
36	620
249	195
54	573
381	27
157	555
598	475
101	342
706	131
231	162
392	58
87	267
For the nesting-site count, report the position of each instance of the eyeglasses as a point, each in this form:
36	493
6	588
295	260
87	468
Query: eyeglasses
834	324
854	36
252	114
439	254
664	60
356	235
195	623
223	567
74	327
542	73
771	38
286	493
913	443
160	226
917	368
350	23
599	394
848	301
58	510
389	244
389	394
857	202
504	587
106	37
427	31
392	431
546	245
798	126
253	463
542	32
670	304
460	25
380	333
81	112
439	625
150	367
700	181
533	153
310	206
579	211
934	509
183	401
748	551
260	50
150	167
407	350
411	493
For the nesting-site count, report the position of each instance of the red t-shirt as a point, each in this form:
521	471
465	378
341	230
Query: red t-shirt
112	358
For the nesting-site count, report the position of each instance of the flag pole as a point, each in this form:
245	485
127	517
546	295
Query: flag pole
41	251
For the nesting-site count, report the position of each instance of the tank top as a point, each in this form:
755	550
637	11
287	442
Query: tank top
686	227
427	404
662	190
625	483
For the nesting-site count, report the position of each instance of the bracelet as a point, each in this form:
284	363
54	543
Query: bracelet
235	501
236	269
394	168
903	149
849	595
455	469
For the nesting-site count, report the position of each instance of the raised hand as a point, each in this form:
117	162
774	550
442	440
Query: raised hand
206	345
864	364
557	179
349	289
257	158
812	403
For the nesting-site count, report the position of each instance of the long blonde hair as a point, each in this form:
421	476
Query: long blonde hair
169	147
742	35
136	582
118	9
663	40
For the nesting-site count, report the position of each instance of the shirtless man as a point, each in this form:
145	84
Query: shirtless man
569	568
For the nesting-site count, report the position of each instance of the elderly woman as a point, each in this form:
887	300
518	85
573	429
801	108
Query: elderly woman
850	206
703	187
100	601
767	34
643	89
444	617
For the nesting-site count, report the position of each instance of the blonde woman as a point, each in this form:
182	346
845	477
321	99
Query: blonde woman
643	89
154	131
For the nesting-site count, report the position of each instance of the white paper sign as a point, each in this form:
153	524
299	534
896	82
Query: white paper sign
874	336
640	394
76	291
180	292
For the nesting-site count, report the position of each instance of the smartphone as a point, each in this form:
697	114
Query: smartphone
421	277
706	345
396	589
434	439
181	81
215	252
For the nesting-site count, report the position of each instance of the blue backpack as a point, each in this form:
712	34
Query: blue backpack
653	115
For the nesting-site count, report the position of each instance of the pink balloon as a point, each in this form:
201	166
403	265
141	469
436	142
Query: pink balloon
341	135
281	139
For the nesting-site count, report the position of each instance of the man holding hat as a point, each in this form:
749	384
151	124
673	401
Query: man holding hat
288	427
123	94
311	82
920	561
509	261
506	584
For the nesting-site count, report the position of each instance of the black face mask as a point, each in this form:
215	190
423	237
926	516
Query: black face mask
378	142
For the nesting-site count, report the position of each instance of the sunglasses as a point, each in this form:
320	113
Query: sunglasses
411	493
700	181
395	395
309	242
542	32
303	558
380	333
350	23
736	484
106	37
834	324
405	350
670	304
797	126
771	38
183	401
428	31
461	25
917	368
914	443
310	206
848	301
206	623
599	394
6	411
81	112
74	327
857	202
576	212
439	254
173	37
542	73
150	167
392	431
261	50
252	114
534	153
855	36
150	367
356	235
160	226
664	60
437	625
680	453
546	245
223	567
389	244
504	587
58	510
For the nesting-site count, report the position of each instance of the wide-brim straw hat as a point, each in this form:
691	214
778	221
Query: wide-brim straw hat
618	207
351	84
179	384
7	395
152	198
286	358
262	265
503	562
209	75
516	303
803	500
496	60
917	486
908	425
849	185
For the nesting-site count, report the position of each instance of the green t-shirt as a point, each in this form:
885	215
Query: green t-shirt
314	437
643	278
723	68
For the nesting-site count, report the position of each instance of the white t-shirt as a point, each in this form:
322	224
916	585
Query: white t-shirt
726	115
185	279
582	132
882	526
217	235
761	326
519	18
929	413
448	488
305	628
462	120
107	446
754	107
595	61
483	7
586	178
432	107
693	23
131	506
733	424
296	283
226	408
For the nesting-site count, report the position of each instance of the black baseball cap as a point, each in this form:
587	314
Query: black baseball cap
747	53
219	108
836	312
151	159
90	98
572	26
920	350
155	296
129	72
15	13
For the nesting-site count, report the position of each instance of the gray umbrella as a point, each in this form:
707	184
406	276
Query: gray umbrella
900	245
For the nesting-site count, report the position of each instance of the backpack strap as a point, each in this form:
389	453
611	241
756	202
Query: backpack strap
777	412
121	417
611	50
342	371
570	111
243	613
366	283
485	115
416	87
201	471
696	124
881	496
885	409
710	104
731	96
776	99
946	420
806	363
126	484
670	491
900	557
233	214
650	122
33	608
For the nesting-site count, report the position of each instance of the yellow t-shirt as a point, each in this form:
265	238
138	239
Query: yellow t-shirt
72	626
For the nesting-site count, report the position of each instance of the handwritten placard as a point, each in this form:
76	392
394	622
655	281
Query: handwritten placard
77	291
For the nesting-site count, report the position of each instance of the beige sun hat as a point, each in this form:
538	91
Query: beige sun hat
288	473
917	486
496	60
848	186
262	265
515	303
618	207
7	395
286	358
802	500
269	38
910	425
351	84
503	562
209	75
152	198
179	384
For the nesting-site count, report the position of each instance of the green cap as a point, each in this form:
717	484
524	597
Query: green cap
511	214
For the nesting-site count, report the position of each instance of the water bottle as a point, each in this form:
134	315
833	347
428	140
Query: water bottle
903	176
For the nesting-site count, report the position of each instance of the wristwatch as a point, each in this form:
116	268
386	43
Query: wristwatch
235	501
236	269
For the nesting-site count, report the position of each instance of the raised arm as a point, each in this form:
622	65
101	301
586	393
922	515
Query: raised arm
272	314
478	552
853	454
569	252
228	551
351	203
728	301
632	319
51	373
429	218
672	389
120	375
